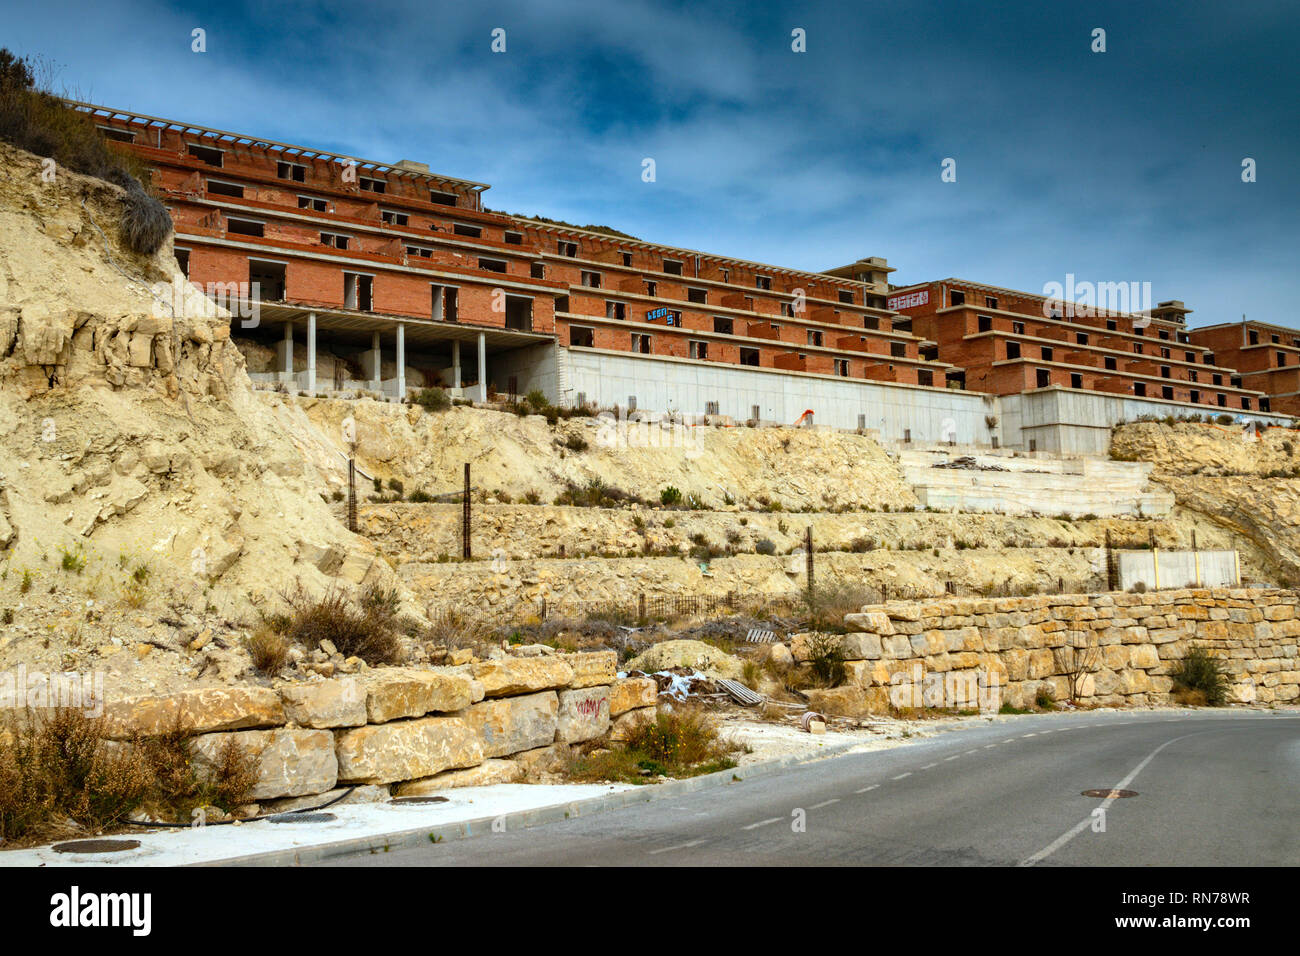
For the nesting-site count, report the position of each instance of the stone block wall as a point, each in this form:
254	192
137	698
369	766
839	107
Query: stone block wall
948	652
407	731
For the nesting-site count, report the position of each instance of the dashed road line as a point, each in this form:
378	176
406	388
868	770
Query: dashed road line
902	775
867	789
680	846
761	823
824	803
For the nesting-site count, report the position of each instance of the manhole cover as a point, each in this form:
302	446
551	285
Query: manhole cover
302	818
1109	794
403	800
96	846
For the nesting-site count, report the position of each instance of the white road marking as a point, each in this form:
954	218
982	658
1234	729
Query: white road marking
865	789
930	766
1086	822
824	803
680	846
975	751
1023	736
953	757
761	823
902	775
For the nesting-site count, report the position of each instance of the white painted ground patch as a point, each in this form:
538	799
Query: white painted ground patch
354	821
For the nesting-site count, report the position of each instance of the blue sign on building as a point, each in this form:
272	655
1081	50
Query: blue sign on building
657	314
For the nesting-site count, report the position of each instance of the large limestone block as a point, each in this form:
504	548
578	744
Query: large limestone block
406	749
536	764
846	701
1145	656
871	622
522	675
486	774
897	647
291	763
703	657
626	724
511	724
592	668
394	693
584	714
202	710
631	693
325	703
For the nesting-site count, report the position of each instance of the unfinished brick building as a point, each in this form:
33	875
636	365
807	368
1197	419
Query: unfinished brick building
395	276
1008	342
363	253
1265	356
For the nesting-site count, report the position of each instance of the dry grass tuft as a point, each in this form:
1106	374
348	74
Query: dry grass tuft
366	627
268	648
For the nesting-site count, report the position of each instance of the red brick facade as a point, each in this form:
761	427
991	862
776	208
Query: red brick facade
1009	342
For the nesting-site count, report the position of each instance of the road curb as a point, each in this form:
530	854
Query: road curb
523	819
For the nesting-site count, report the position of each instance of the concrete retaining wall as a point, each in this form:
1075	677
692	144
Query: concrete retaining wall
1178	569
1066	420
1055	419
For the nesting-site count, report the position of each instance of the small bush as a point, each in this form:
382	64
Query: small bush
765	546
681	742
670	496
420	496
74	559
57	768
268	649
1044	699
432	399
576	443
826	659
1200	671
365	628
34	119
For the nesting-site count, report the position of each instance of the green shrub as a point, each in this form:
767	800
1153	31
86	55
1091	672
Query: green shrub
432	399
74	559
670	496
1201	671
826	659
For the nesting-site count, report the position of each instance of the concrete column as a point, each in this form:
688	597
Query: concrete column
455	364
401	361
311	353
376	363
284	352
482	367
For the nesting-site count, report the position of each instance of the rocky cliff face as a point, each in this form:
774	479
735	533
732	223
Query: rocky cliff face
129	434
1247	484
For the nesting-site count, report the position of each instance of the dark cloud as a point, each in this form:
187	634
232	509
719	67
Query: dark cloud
1116	166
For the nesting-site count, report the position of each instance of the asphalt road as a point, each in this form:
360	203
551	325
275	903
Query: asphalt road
1213	789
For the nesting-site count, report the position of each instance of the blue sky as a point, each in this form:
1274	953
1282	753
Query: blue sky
1115	166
